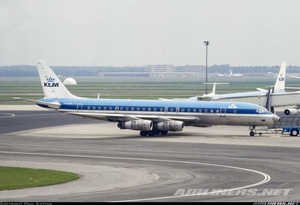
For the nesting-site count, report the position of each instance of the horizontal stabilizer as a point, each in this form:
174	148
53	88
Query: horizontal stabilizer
295	88
165	99
261	89
54	105
297	77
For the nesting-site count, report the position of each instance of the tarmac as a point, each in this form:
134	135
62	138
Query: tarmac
119	165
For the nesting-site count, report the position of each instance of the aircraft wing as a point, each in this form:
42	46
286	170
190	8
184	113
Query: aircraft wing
261	89
240	95
296	77
121	117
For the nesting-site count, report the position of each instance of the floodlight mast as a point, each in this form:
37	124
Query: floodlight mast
206	44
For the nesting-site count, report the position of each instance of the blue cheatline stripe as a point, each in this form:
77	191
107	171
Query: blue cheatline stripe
157	106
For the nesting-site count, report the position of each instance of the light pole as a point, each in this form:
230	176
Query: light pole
206	44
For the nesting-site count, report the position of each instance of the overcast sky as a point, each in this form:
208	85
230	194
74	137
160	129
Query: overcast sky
143	32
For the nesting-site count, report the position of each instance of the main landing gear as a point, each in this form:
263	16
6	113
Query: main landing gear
152	133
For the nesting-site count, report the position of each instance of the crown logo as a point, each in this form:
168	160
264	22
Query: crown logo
232	106
49	80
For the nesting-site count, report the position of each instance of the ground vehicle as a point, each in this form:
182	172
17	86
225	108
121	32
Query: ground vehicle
294	131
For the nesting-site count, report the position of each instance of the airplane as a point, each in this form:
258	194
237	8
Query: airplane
235	74
208	96
230	74
276	96
279	87
204	96
223	75
150	117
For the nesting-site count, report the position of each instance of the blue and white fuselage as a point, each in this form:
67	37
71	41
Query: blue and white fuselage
151	117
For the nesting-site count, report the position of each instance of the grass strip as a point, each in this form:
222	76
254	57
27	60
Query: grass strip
19	178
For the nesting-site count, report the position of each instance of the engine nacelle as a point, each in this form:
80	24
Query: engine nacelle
144	125
170	126
291	111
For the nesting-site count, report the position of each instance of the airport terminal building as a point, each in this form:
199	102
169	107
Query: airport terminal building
162	71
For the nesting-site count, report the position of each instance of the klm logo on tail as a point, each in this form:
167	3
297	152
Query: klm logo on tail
281	78
50	82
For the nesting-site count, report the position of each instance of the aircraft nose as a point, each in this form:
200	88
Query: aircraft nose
276	118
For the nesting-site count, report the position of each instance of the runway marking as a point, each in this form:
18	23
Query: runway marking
8	115
14	115
265	180
30	115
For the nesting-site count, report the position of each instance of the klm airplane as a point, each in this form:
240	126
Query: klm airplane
151	117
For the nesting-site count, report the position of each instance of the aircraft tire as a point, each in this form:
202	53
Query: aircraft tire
151	133
294	132
251	133
143	133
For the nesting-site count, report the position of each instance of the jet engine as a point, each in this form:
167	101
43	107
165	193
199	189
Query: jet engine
170	126
144	125
291	111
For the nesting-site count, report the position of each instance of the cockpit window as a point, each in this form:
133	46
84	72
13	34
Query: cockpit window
261	110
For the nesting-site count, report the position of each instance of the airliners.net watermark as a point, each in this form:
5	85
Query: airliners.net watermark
237	192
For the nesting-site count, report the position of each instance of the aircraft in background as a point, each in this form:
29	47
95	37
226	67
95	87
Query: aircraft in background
208	96
235	74
291	76
230	74
150	117
279	87
276	96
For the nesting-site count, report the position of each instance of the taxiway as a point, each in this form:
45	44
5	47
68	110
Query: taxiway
119	165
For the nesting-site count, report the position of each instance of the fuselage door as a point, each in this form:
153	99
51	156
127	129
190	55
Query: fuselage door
116	109
79	107
223	111
166	109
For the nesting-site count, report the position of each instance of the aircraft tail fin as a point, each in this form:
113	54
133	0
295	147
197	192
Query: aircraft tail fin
52	85
280	82
213	92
